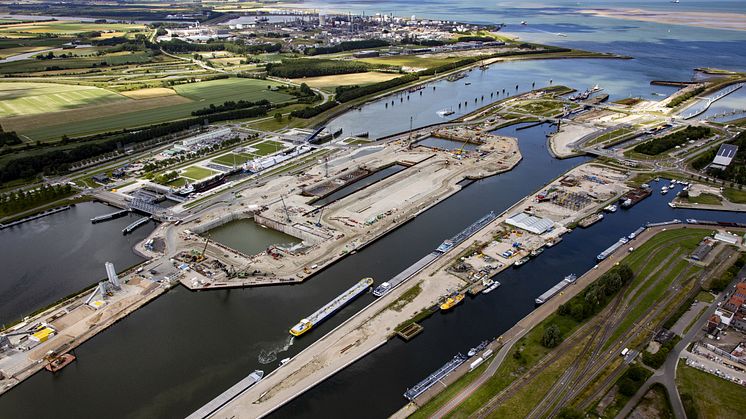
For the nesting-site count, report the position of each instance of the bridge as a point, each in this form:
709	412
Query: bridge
708	101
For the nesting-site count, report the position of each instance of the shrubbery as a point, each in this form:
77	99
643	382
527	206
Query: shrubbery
295	68
591	300
659	145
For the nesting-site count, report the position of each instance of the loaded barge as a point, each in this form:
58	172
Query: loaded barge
568	280
634	196
444	247
332	307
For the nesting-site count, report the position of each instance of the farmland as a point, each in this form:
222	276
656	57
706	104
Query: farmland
330	82
33	98
412	61
131	113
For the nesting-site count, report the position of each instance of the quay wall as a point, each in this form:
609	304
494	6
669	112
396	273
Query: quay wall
291	230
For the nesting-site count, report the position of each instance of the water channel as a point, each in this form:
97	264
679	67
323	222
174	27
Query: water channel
175	354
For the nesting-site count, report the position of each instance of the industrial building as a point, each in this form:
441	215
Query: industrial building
724	156
530	223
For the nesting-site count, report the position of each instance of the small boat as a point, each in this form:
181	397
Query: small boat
537	252
491	288
657	179
452	301
610	208
524	23
521	261
445	112
284	361
664	190
468	83
562	35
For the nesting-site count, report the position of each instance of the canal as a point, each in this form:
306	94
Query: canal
172	356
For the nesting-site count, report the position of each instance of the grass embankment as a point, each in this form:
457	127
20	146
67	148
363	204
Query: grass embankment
705	199
708	395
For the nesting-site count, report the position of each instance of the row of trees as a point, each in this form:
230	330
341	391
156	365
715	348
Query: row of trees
9	138
597	295
346	95
17	201
179	46
347	46
311	111
295	68
672	140
229	106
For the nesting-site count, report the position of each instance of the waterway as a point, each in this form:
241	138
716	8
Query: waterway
188	347
49	258
175	354
250	238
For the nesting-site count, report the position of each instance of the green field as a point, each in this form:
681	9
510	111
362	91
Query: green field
202	95
414	61
231	158
713	396
196	172
267	147
33	65
20	98
230	89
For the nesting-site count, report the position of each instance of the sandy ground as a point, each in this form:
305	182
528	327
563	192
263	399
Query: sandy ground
568	134
713	20
346	79
149	93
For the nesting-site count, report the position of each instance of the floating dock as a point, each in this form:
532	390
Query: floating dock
36	217
410	331
137	223
215	404
107	217
330	308
433	378
568	280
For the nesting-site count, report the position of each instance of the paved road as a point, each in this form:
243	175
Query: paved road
489	372
666	375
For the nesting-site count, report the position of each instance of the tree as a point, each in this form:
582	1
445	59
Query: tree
552	336
278	117
305	90
627	387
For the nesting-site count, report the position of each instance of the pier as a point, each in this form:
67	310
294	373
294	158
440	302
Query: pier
36	217
708	101
130	228
111	216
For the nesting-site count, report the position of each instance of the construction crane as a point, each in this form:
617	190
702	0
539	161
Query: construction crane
201	256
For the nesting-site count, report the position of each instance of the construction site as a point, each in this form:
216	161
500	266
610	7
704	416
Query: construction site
520	232
332	209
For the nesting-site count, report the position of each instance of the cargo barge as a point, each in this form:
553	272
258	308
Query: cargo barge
603	255
590	220
332	307
444	247
435	377
634	196
568	280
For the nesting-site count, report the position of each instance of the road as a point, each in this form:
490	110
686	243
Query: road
666	374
